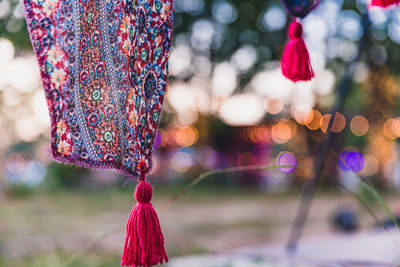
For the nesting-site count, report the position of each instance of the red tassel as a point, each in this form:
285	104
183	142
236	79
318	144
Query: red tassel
144	241
384	3
295	62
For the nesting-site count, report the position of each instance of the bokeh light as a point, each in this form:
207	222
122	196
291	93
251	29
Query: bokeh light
339	123
224	12
7	50
396	127
388	129
314	123
259	134
273	106
181	161
157	140
15	163
287	160
281	132
242	110
371	166
303	117
274	19
351	160
224	80
210	158
359	125
186	136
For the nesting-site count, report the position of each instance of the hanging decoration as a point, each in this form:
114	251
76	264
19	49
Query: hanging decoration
384	3
295	62
104	71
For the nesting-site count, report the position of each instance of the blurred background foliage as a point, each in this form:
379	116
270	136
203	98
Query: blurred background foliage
228	104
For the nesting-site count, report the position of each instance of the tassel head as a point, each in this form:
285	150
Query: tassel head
295	30
143	193
295	62
144	241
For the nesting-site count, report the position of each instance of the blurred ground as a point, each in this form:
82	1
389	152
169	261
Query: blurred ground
47	229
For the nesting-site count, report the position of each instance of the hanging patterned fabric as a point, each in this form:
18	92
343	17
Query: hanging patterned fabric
295	62
104	68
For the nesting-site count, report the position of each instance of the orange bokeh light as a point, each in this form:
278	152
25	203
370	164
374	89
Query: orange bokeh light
396	127
339	123
371	165
314	123
186	136
281	132
387	129
303	117
359	125
259	134
273	106
391	128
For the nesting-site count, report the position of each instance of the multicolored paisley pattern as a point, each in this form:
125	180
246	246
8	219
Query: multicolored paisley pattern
104	67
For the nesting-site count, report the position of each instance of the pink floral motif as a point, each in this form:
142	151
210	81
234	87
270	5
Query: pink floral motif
131	97
49	7
166	11
55	55
64	148
126	47
61	128
125	25
158	41
132	118
58	77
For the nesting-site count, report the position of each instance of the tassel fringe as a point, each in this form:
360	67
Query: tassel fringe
144	241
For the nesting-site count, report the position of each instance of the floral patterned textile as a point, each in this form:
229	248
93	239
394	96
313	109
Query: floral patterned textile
104	67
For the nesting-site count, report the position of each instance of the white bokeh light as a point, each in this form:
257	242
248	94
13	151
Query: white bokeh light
224	12
242	109
26	66
224	80
244	58
273	84
202	33
7	51
180	61
274	19
180	97
40	110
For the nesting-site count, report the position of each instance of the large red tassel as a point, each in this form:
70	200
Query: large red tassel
144	241
384	3
295	62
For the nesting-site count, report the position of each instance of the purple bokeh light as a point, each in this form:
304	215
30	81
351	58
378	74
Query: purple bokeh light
157	141
350	160
286	159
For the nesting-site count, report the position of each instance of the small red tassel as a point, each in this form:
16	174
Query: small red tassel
144	241
295	62
384	3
